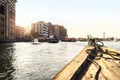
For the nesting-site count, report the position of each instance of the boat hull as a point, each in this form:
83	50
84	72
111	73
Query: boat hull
53	41
82	68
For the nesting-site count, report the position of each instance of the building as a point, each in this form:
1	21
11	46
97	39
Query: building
40	28
7	19
33	27
43	28
62	32
58	31
48	30
20	32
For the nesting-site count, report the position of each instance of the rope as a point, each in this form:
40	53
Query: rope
112	55
99	55
99	68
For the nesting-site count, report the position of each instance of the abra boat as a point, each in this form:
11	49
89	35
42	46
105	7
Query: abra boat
35	41
94	62
53	40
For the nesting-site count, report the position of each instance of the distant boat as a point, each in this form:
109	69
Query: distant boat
36	41
53	40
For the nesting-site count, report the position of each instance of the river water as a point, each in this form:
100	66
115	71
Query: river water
26	61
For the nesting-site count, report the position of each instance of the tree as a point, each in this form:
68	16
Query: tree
34	34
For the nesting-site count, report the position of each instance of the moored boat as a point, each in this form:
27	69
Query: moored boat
53	40
35	41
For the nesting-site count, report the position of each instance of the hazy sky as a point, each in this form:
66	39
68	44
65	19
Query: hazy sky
80	17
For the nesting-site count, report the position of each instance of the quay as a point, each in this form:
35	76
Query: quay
92	63
15	40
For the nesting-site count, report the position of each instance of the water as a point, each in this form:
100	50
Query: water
27	61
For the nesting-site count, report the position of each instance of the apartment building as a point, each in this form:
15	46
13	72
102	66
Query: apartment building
41	28
55	30
48	29
62	32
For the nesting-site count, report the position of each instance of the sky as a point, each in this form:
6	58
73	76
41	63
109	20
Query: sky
79	17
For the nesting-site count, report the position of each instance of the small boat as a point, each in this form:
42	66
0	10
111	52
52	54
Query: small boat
94	62
53	40
41	39
35	41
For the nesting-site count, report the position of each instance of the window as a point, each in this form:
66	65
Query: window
2	9
2	19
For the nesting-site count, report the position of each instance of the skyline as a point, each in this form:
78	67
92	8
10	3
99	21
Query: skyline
79	17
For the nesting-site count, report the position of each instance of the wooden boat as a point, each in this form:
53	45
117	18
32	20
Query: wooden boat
92	63
35	41
53	39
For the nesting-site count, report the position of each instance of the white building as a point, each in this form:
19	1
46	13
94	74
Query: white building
41	28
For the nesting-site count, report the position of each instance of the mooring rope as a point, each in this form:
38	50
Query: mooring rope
99	68
99	55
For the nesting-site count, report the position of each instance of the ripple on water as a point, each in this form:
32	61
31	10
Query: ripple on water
25	61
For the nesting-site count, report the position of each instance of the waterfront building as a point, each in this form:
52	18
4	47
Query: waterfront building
58	31
41	28
62	32
20	32
33	28
48	29
7	19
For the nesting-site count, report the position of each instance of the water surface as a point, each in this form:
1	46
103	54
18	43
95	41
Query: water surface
25	61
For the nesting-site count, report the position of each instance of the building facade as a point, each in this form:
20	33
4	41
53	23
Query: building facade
48	30
20	32
41	28
7	19
56	30
62	32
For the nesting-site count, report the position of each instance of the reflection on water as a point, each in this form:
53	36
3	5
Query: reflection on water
25	61
6	60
